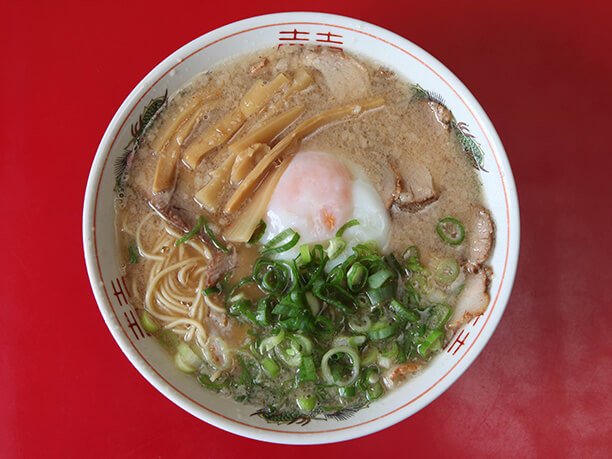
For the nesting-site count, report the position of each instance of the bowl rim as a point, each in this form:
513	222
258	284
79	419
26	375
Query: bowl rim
234	426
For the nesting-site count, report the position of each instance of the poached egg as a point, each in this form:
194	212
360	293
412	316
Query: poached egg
316	195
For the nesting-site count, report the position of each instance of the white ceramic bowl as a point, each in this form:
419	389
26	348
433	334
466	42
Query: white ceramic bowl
286	29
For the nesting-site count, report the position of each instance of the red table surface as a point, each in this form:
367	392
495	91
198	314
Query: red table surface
541	387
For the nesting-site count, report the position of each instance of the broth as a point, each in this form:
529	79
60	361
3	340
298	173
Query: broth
185	203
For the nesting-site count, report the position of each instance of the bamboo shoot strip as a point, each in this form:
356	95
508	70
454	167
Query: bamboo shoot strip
167	130
260	94
304	129
246	161
301	80
214	136
253	101
244	225
208	196
269	130
165	172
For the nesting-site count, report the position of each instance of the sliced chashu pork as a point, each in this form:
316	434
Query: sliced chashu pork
163	204
407	185
220	264
479	239
473	299
346	78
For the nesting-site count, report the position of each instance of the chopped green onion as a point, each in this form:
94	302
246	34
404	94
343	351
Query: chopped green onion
372	376
438	316
168	339
307	372
411	254
391	351
262	316
356	277
362	325
368	248
185	359
355	341
192	233
377	279
346	391
232	296
273	276
394	264
181	365
317	273
362	300
302	322
370	383
418	281
401	354
293	349
318	254
451	230
148	322
282	242
336	296
413	259
305	343
270	367
305	253
205	381
447	272
242	308
369	356
382	330
306	403
346	226
289	354
324	326
260	229
412	296
272	341
352	354
211	290
336	275
431	339
309	305
313	303
404	313
380	295
335	248
375	391
134	255
288	308
245	377
212	237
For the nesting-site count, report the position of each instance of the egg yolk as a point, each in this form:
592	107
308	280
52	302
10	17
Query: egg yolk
313	197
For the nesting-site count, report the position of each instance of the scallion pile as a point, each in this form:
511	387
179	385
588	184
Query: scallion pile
323	339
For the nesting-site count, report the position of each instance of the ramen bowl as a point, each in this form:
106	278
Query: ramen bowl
297	29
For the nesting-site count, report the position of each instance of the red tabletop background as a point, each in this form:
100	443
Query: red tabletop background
541	387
